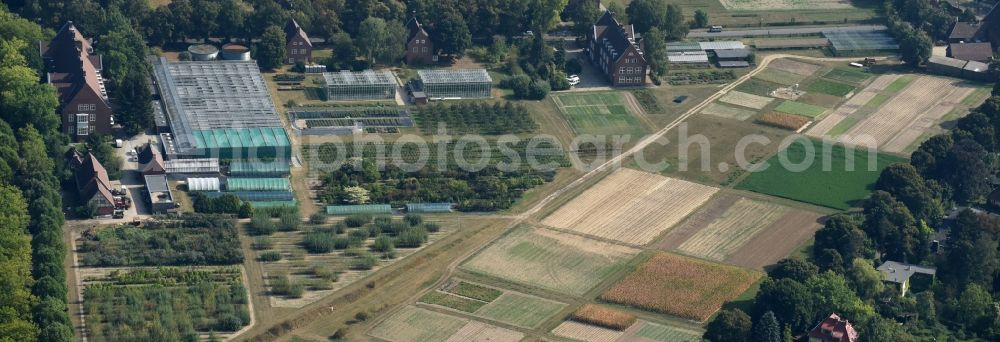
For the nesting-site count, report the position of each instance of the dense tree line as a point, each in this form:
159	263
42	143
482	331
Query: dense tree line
897	223
188	240
30	141
916	24
225	204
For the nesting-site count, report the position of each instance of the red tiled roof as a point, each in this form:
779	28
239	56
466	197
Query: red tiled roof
834	329
92	178
292	30
70	63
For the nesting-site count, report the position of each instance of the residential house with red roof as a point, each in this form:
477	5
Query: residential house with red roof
833	329
75	71
92	183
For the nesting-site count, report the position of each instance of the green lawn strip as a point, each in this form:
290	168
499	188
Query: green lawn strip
799	108
475	292
599	114
666	333
899	84
831	185
830	87
877	101
847	75
780	76
976	97
521	310
842	127
758	86
452	301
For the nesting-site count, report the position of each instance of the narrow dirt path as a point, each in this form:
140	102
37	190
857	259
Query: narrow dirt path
636	107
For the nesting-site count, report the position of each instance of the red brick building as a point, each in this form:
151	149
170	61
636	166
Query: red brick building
419	48
92	183
298	48
75	72
614	50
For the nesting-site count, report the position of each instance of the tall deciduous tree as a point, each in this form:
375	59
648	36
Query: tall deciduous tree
583	14
644	15
674	25
133	101
381	40
450	34
655	48
790	301
700	18
731	325
271	49
15	265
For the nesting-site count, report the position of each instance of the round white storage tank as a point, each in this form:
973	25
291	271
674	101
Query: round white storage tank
203	52
235	52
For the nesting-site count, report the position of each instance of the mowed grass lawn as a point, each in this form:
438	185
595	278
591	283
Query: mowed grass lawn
799	108
830	185
598	114
830	87
664	333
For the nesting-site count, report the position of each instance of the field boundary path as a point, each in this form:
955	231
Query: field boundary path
306	317
784	31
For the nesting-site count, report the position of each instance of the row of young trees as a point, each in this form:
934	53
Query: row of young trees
33	300
897	223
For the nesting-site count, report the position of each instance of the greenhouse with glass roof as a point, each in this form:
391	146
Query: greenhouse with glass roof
456	83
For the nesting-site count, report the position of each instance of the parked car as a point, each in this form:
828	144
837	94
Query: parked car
715	28
573	78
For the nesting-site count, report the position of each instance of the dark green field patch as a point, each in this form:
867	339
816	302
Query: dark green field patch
825	181
830	87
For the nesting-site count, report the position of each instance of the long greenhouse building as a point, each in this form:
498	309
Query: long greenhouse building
361	85
220	109
456	83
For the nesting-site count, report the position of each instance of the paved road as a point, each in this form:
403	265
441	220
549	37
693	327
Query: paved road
783	31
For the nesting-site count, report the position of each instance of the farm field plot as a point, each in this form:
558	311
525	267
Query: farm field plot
630	206
724	111
742	232
746	100
919	105
551	260
831	185
758	86
799	108
585	332
795	67
419	325
681	286
847	75
730	231
766	5
830	88
780	76
323	272
650	331
504	306
857	106
598	114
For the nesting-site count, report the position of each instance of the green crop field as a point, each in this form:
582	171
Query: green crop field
830	88
780	76
598	114
452	301
758	86
550	260
977	97
842	127
899	84
831	185
799	108
847	75
665	333
520	310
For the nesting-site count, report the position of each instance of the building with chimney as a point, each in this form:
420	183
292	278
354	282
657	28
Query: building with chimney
833	329
75	71
613	48
298	48
419	48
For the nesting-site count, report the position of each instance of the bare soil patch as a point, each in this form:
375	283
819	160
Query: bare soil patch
746	100
796	67
777	241
584	332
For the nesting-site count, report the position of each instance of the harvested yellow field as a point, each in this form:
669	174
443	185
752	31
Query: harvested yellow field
551	260
746	100
773	5
631	206
795	67
733	229
585	332
481	332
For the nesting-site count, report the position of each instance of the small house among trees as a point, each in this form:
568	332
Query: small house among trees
297	45
833	329
614	50
75	72
150	160
92	183
419	48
